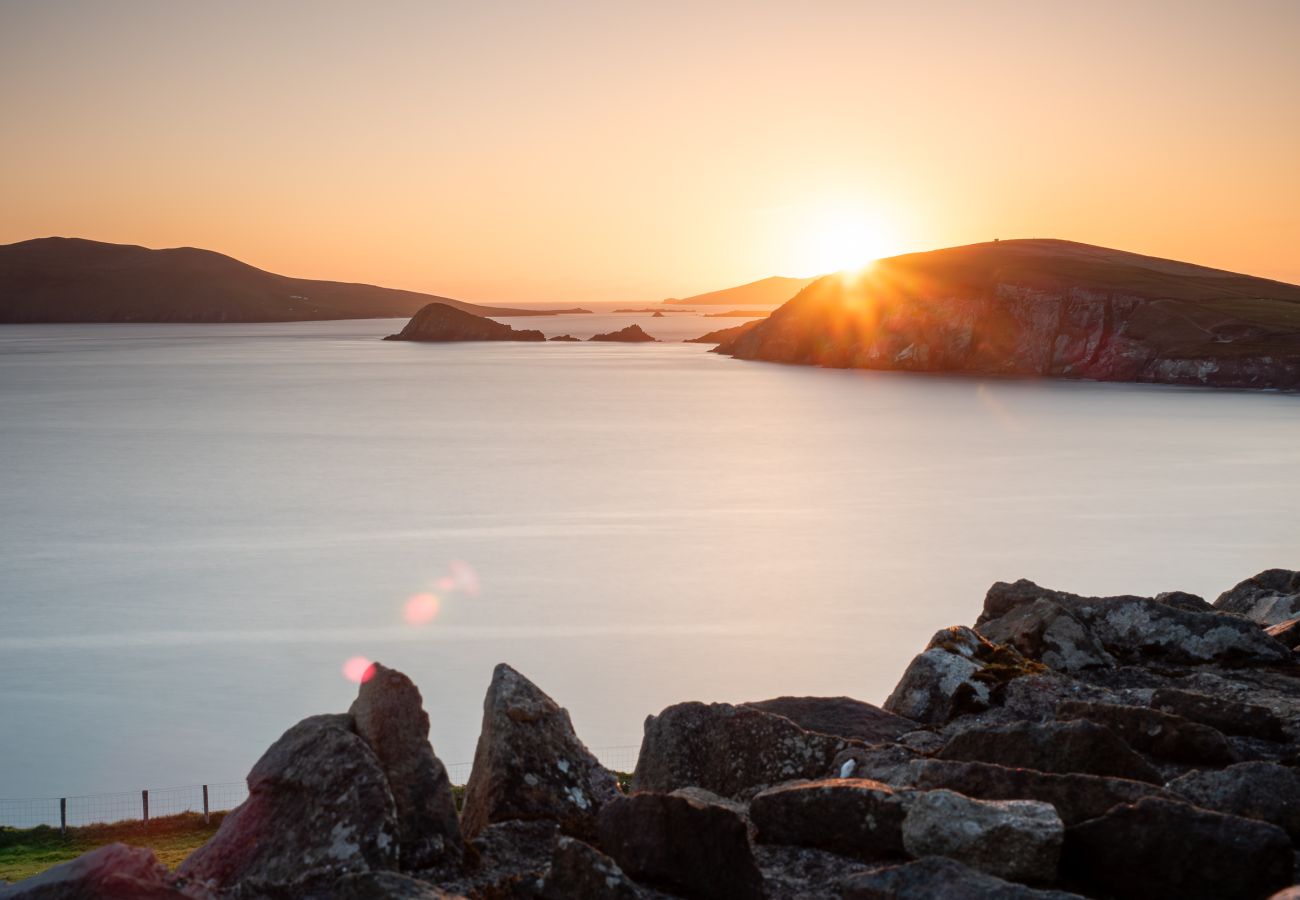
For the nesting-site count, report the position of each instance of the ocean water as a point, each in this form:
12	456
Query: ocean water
202	524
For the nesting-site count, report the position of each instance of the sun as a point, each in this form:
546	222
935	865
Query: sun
835	239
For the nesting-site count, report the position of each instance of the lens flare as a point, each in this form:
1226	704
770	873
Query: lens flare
420	609
446	583
358	669
464	576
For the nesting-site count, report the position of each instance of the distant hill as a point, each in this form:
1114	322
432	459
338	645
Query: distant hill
75	280
1041	308
764	291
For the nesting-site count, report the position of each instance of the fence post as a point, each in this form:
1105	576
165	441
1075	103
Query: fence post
205	804
144	803
63	815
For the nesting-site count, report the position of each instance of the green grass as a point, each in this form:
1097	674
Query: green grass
28	851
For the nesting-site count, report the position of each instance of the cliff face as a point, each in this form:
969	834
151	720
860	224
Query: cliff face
1041	308
442	323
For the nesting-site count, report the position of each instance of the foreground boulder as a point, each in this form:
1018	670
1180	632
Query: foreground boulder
318	807
579	871
1019	840
632	334
389	715
1269	598
438	322
1076	797
1157	733
1064	747
1159	848
853	817
111	872
938	878
1139	629
683	846
1228	716
530	765
1253	790
729	750
839	716
959	672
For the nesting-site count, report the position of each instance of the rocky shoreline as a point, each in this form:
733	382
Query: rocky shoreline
1064	746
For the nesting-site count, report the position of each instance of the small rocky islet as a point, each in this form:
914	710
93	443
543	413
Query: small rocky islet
1063	746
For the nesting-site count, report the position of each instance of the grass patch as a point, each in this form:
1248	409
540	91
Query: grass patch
28	851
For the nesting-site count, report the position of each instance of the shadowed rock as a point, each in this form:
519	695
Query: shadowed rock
1015	839
1047	632
1269	598
1063	747
632	334
1229	716
1184	600
111	872
839	716
581	872
1286	633
318	806
937	878
1254	790
438	322
729	750
389	715
530	765
383	886
1159	848
1157	733
688	848
1075	796
853	817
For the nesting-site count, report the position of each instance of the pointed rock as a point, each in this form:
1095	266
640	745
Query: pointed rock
530	765
389	715
1269	598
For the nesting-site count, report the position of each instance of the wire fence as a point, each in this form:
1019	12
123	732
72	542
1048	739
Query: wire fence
153	803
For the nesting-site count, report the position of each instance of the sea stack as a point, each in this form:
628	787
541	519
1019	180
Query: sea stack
632	334
439	322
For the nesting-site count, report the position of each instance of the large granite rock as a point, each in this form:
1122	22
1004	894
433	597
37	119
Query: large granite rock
692	849
939	878
1047	632
632	334
1142	630
438	322
1159	848
1077	746
729	750
853	817
1077	797
1253	790
389	715
1019	840
1158	733
1269	598
318	807
579	871
111	872
839	716
530	765
1228	716
959	672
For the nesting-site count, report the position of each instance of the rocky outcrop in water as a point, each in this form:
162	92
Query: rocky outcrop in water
440	323
1041	308
632	334
1121	747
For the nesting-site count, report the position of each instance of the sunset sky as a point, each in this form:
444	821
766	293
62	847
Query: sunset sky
520	151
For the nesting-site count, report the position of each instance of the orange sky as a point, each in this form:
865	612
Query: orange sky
519	151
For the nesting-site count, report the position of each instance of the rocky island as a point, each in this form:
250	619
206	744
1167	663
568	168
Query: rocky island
439	322
1041	308
1061	747
632	334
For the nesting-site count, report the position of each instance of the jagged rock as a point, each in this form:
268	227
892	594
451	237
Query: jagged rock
959	672
438	322
1269	598
1286	633
853	817
1157	733
888	763
318	806
1160	848
1077	746
1184	600
632	334
1142	630
511	859
564	337
382	886
389	715
581	872
937	878
708	798
1227	716
688	848
1015	839
1077	797
112	872
530	765
1253	790
1047	632
839	716
729	750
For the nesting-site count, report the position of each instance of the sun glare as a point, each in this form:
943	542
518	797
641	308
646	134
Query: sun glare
836	239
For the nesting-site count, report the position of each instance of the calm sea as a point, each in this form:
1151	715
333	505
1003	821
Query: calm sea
202	524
